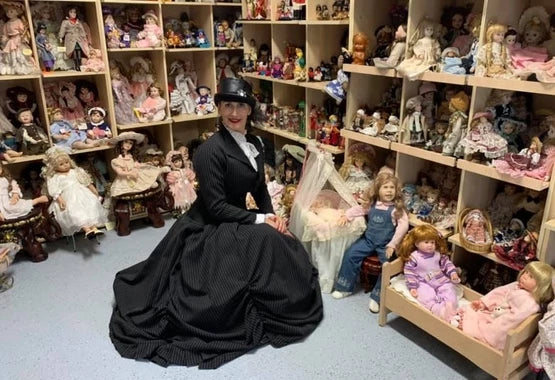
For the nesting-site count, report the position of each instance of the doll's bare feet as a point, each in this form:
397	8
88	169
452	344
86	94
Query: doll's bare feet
7	158
13	153
41	199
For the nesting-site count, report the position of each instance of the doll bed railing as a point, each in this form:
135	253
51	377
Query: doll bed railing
511	363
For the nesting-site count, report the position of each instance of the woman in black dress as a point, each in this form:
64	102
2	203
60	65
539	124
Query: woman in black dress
224	280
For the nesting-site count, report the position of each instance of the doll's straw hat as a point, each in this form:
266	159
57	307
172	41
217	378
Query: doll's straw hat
138	137
150	13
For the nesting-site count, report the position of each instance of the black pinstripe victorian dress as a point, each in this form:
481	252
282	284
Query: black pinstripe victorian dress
217	285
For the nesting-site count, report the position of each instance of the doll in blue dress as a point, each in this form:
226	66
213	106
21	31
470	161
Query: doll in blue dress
65	135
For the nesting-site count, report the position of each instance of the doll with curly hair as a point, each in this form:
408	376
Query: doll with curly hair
180	180
494	59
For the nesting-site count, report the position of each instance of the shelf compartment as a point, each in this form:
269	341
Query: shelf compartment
424	154
325	22
123	127
447	78
291	82
97	149
491	172
19	77
26	158
303	140
70	74
190	50
370	70
456	239
414	221
266	21
512	85
192	117
116	50
361	137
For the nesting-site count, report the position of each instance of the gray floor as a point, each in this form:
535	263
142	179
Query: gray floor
55	326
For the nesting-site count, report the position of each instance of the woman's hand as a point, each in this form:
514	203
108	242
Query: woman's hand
276	222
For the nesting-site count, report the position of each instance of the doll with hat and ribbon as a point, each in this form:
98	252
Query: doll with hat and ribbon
180	180
482	138
204	101
151	35
75	35
97	127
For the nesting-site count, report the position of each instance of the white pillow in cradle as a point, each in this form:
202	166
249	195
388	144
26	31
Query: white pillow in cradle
399	284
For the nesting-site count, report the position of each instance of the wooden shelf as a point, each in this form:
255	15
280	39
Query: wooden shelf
489	171
220	4
320	86
193	117
97	149
424	154
70	74
267	21
303	140
116	50
369	70
143	125
195	49
325	22
221	48
18	77
414	221
456	239
512	85
431	76
29	158
361	137
550	225
127	1
291	82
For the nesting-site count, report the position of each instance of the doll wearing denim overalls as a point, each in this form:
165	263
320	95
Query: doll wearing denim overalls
387	224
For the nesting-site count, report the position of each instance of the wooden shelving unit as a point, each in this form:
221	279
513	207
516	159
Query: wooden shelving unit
303	140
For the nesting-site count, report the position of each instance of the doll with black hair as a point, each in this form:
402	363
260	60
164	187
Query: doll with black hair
453	20
31	137
19	98
180	180
384	38
75	35
44	48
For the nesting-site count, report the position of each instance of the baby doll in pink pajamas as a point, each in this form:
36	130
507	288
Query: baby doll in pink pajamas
429	274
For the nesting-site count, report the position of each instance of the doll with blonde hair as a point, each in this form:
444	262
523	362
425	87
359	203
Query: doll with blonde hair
490	318
458	124
387	224
429	273
357	173
494	59
424	51
76	202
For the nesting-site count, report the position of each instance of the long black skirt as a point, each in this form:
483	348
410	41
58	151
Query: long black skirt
208	294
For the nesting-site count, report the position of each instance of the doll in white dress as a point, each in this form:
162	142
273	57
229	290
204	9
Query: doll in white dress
12	206
76	202
423	54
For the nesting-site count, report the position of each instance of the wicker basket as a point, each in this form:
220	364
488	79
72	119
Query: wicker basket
471	246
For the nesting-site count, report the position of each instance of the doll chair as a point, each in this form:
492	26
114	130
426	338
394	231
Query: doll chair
324	240
128	207
26	230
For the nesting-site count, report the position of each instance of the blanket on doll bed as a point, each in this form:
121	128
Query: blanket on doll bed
399	284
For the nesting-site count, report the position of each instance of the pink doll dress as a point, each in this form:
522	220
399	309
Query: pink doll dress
150	36
541	171
93	65
514	306
152	109
181	187
542	350
521	58
545	71
123	101
9	211
483	139
13	29
147	179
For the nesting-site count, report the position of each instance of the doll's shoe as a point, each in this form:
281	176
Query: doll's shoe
373	306
97	232
338	295
90	235
455	321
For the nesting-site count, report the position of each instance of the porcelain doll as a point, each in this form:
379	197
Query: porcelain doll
134	24
357	174
125	38
151	35
277	68
390	130
504	205
424	252
32	139
542	349
453	19
202	40
289	172
7	152
19	97
204	101
122	95
437	137
414	129
260	10
511	40
94	62
424	52
397	50
18	55
65	135
182	97
443	112
510	129
153	107
474	228
299	73
141	77
112	32
500	105
549	44
360	46
534	28
131	176
12	204
384	36
527	162
44	48
76	205
490	318
223	69
87	94
250	9
387	224
481	138
458	124
76	36
97	128
180	180
493	59
451	63
427	92
69	103
220	35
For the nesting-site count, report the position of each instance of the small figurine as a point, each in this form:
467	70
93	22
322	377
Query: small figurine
357	174
250	9
299	73
112	31
260	10
74	34
97	128
277	68
493	59
337	87
503	206
125	38
396	50
153	108
534	28
360	45
31	137
451	63
180	180
134	24
205	103
94	62
18	98
69	103
481	138
151	35
526	159
202	40
427	92
76	204
423	52
453	19
44	48
122	95
458	124
414	129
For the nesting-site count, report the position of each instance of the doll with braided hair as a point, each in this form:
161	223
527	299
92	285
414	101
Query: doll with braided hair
494	59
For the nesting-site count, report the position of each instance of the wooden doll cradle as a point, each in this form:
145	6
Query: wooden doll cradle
511	363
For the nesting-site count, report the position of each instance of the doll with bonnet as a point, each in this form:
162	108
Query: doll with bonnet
494	59
15	38
458	123
151	35
545	71
180	180
76	202
414	129
94	62
482	139
423	51
534	29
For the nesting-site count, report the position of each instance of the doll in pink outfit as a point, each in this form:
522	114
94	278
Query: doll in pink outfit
490	318
429	274
94	62
542	350
151	35
13	31
153	107
475	228
180	180
69	103
534	28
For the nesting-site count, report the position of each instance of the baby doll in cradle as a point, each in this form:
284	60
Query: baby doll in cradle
76	204
429	273
490	318
180	180
474	228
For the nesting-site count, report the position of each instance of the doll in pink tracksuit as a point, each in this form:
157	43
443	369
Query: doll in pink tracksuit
429	274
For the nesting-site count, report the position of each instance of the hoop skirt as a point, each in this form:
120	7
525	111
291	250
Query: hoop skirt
211	292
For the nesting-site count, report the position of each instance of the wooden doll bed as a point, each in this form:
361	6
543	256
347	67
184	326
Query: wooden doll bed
511	363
